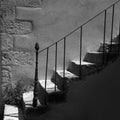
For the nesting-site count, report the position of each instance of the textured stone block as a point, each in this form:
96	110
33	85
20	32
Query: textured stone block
23	3
8	2
17	27
7	41
7	72
28	3
7	11
7	58
4	80
17	58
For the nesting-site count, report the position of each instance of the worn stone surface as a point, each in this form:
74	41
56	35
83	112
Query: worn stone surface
17	58
28	3
1	24
7	41
9	68
8	2
6	73
25	41
7	11
23	3
17	27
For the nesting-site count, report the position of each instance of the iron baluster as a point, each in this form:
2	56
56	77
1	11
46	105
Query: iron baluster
104	37
46	71
64	55
81	30
55	63
119	40
113	9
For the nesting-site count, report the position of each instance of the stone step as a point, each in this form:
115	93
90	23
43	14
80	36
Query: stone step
11	112
60	81
28	96
28	99
54	93
50	86
108	47
68	75
94	57
86	67
116	39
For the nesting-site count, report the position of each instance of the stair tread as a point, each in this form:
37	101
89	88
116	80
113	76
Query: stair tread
10	109
11	112
95	52
82	62
28	96
28	99
50	86
114	43
67	74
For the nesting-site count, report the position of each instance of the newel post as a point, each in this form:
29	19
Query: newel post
36	76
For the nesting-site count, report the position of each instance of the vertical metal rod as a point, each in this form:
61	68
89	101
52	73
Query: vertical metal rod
36	76
119	34
55	63
81	30
104	35
113	10
46	70
119	28
64	55
119	40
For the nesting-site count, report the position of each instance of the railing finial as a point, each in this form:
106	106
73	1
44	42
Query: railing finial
36	46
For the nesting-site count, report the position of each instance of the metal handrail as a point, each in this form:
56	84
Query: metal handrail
80	26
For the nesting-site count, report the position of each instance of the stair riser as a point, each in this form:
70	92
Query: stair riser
94	58
113	48
59	81
116	39
75	69
42	94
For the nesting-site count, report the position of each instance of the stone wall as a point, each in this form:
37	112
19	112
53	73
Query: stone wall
15	62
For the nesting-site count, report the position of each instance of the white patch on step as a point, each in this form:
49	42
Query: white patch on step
10	113
49	84
67	74
82	62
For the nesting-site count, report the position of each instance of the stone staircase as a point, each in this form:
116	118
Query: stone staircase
92	63
55	89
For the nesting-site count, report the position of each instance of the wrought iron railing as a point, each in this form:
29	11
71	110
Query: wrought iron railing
80	28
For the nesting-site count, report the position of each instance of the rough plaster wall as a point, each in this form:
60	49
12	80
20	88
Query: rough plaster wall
24	22
55	19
